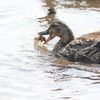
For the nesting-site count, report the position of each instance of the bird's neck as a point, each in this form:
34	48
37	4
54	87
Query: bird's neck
64	40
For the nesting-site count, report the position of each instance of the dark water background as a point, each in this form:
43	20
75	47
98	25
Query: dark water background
29	72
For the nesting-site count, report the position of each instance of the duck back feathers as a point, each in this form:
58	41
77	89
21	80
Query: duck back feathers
86	47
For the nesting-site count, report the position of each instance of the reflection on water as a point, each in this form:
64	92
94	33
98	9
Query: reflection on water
28	70
79	3
50	13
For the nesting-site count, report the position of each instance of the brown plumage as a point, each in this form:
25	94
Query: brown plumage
86	47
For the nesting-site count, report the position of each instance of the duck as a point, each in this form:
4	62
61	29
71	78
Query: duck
85	48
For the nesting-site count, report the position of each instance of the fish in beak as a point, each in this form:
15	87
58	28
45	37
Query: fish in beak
51	36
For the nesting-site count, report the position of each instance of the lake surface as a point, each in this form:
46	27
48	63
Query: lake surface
29	71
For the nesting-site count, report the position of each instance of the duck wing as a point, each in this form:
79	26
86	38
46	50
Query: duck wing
84	47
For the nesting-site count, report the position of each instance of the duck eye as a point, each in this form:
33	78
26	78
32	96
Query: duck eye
56	27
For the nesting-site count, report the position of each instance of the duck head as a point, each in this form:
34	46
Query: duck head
60	29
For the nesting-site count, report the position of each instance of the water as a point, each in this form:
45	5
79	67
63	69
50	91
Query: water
29	72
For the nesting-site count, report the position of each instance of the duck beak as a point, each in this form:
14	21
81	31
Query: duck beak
46	33
43	33
50	38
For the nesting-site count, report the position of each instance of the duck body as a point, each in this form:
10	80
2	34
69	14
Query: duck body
86	47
